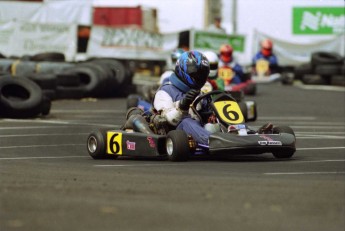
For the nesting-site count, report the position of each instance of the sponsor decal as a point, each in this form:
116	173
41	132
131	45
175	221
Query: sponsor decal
263	142
318	20
268	141
151	142
130	145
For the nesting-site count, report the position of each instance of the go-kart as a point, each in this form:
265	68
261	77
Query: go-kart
247	85
152	136
262	72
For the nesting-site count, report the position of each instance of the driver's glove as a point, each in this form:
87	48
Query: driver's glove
188	99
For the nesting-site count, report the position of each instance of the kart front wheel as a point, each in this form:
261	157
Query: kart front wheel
286	153
177	145
96	144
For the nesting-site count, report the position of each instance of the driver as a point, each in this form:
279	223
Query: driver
266	53
227	60
174	98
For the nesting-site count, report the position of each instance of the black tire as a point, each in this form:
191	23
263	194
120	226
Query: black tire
314	80
91	84
286	153
327	69
5	65
52	67
250	89
22	68
63	92
177	145
49	93
302	70
49	56
20	97
45	81
46	105
68	79
319	58
132	100
287	78
96	145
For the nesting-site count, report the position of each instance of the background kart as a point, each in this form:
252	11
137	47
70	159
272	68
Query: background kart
148	136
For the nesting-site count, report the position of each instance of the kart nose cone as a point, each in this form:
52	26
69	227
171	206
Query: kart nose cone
92	144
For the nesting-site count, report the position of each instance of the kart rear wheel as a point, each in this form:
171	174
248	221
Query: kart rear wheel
177	146
96	145
285	153
132	100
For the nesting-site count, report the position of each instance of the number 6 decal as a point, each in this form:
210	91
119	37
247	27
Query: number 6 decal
229	112
114	141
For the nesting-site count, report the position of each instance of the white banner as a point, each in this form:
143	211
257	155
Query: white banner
130	43
23	38
296	54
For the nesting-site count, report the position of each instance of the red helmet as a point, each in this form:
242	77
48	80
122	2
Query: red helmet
266	47
225	53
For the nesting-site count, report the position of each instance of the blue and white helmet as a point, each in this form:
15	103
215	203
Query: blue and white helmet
192	68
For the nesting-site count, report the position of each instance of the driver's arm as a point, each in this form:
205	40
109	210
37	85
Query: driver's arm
169	109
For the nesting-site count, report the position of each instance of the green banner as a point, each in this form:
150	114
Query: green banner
318	20
212	41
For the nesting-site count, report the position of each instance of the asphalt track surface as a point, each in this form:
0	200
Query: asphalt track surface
49	183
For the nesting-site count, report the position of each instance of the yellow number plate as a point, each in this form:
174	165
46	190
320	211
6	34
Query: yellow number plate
262	66
114	143
226	73
229	112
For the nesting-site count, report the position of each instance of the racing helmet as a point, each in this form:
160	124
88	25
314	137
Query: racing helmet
213	60
225	53
266	47
192	68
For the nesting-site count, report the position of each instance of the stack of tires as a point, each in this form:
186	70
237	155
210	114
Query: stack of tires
324	68
94	78
28	84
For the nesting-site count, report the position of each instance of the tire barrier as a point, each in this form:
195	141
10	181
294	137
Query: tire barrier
21	98
48	67
49	56
29	83
323	68
104	77
93	78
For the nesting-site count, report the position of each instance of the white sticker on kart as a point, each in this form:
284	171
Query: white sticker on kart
262	142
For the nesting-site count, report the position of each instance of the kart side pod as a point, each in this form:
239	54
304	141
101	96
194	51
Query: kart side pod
282	145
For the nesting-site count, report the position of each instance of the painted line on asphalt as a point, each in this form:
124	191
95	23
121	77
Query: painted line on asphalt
46	134
302	173
88	111
322	87
41	157
318	161
39	146
136	165
319	148
287	118
310	137
60	122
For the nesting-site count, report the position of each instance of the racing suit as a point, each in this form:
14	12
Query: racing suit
272	60
237	71
166	101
